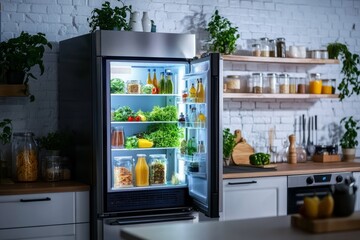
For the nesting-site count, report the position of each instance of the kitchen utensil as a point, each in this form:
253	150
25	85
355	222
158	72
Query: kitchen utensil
242	150
316	142
303	128
310	145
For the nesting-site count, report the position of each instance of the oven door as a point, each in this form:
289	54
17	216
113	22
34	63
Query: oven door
296	196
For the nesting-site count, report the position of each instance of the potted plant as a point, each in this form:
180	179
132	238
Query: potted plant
228	145
18	55
350	83
348	142
55	143
223	35
108	18
6	131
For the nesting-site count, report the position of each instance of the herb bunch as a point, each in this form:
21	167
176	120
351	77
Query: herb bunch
350	83
228	143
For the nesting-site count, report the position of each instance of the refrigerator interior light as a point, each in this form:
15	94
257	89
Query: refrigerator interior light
120	69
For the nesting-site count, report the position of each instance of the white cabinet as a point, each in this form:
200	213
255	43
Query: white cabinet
357	183
254	197
63	215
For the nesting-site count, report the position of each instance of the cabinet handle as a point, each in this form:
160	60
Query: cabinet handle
36	200
240	183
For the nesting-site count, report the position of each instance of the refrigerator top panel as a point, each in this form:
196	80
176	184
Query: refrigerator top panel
144	44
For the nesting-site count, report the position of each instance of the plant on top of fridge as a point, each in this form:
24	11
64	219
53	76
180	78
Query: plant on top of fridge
108	18
223	35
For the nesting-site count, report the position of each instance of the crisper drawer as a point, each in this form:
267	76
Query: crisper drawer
37	209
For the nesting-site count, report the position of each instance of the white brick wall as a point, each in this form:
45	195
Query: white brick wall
307	22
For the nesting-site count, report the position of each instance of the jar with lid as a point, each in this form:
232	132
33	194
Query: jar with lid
122	171
326	86
280	47
272	48
52	169
117	137
24	157
256	50
264	47
157	169
133	87
141	171
233	83
301	85
273	82
257	79
292	85
315	84
284	83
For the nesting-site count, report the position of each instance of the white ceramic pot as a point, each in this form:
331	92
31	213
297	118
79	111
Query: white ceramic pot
146	22
135	22
348	154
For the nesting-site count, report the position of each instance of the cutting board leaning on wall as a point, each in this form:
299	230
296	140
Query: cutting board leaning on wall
242	150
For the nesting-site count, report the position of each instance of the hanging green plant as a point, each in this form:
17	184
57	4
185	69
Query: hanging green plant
348	140
350	83
108	18
223	35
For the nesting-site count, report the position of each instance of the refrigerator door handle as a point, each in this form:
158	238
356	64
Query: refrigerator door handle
152	220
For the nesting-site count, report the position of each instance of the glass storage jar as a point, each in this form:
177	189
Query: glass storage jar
333	86
280	47
117	137
315	84
264	47
25	162
52	169
292	85
122	171
233	83
284	83
326	86
133	87
141	171
301	85
272	48
256	50
157	169
257	79
273	82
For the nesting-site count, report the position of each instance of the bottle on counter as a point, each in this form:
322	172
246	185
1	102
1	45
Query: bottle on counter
141	171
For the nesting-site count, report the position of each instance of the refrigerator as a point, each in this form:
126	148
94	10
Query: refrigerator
119	117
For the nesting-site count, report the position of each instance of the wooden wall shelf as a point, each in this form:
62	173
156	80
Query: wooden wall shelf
279	96
251	59
12	90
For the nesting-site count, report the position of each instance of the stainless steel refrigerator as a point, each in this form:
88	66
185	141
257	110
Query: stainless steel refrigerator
190	142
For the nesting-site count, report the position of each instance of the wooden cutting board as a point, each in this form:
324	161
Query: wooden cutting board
326	225
242	150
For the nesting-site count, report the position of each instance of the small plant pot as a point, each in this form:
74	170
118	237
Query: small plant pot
348	154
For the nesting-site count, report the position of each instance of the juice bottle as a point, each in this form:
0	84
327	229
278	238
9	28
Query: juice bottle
200	94
149	81
162	89
169	83
201	119
192	93
154	82
141	171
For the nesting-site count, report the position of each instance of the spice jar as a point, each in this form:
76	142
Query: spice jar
273	82
133	87
24	157
257	80
272	48
281	47
122	171
301	85
265	47
284	83
315	84
292	85
157	169
256	50
326	86
52	170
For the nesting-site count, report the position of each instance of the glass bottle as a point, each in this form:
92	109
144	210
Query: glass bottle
192	116
284	83
280	47
201	119
200	94
154	81
141	171
162	83
123	171
272	48
169	83
25	157
182	120
184	95
265	47
149	81
200	147
192	93
157	169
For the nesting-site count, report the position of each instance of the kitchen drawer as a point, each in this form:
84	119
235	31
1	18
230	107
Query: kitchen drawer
37	209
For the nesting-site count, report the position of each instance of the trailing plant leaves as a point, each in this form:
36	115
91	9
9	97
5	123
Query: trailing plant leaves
5	135
348	140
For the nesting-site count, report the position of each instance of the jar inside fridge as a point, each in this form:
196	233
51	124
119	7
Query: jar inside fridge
122	171
157	169
133	87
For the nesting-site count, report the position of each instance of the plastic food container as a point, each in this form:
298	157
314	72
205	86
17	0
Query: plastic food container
133	87
122	172
157	169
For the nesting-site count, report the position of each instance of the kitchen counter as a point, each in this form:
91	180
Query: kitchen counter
309	167
42	187
261	228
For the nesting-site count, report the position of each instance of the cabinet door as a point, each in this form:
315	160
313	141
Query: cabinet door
255	197
357	183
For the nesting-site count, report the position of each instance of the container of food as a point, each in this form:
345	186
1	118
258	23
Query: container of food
122	171
133	87
315	83
233	83
52	171
272	48
257	79
273	82
256	50
292	85
301	85
265	51
281	47
284	86
326	86
157	169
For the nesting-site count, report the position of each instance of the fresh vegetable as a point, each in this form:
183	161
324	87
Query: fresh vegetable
144	143
137	118
117	85
154	90
131	142
164	135
123	113
168	113
130	119
259	158
147	88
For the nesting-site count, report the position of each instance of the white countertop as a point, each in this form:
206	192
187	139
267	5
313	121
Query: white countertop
278	228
